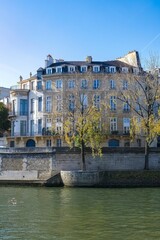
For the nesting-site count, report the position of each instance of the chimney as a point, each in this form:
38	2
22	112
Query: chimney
20	78
48	61
30	74
89	59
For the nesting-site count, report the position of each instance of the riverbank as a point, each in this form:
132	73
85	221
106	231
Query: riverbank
118	167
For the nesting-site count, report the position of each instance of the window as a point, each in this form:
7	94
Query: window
23	127
71	69
59	129
96	101
96	68
124	69
111	69
14	107
96	84
83	68
126	125
48	143
71	84
113	103
49	70
113	124
12	143
84	83
58	69
112	84
12	128
58	142
59	103
126	107
59	83
48	104
32	85
23	107
32	105
40	104
39	85
71	102
125	84
39	126
48	85
59	120
32	127
84	100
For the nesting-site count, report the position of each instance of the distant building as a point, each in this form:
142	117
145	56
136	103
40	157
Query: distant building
35	101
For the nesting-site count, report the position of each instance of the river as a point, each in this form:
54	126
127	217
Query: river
34	213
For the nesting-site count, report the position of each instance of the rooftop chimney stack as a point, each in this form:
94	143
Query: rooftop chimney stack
48	61
89	59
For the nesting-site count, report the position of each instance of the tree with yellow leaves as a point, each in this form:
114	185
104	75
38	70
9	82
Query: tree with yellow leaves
143	98
82	125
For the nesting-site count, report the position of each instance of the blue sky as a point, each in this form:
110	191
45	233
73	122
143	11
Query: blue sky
73	29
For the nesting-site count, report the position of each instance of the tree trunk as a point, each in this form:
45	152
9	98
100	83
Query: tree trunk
83	156
146	165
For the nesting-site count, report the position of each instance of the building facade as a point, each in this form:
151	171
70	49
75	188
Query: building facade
39	102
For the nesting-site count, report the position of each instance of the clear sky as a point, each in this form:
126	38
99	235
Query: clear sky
71	30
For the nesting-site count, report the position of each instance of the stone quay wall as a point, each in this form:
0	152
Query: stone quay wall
41	164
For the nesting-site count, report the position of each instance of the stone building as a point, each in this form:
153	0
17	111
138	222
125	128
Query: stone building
34	101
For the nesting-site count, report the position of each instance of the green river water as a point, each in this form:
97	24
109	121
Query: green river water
34	213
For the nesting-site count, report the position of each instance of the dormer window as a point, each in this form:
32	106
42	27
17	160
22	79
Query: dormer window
111	69
71	68
49	70
96	68
58	69
135	70
124	69
83	68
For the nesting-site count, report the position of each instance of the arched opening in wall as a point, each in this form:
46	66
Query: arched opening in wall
158	141
113	143
30	143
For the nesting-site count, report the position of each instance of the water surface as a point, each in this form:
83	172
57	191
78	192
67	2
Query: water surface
79	213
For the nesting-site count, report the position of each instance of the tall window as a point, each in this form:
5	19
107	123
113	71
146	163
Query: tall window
23	127
59	142
126	125
59	103
14	106
39	126
125	84
59	83
84	83
12	128
48	104
113	103
39	85
40	104
48	143
32	105
96	84
48	85
23	107
96	101
32	127
71	102
84	100
113	124
71	84
112	84
33	85
126	107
